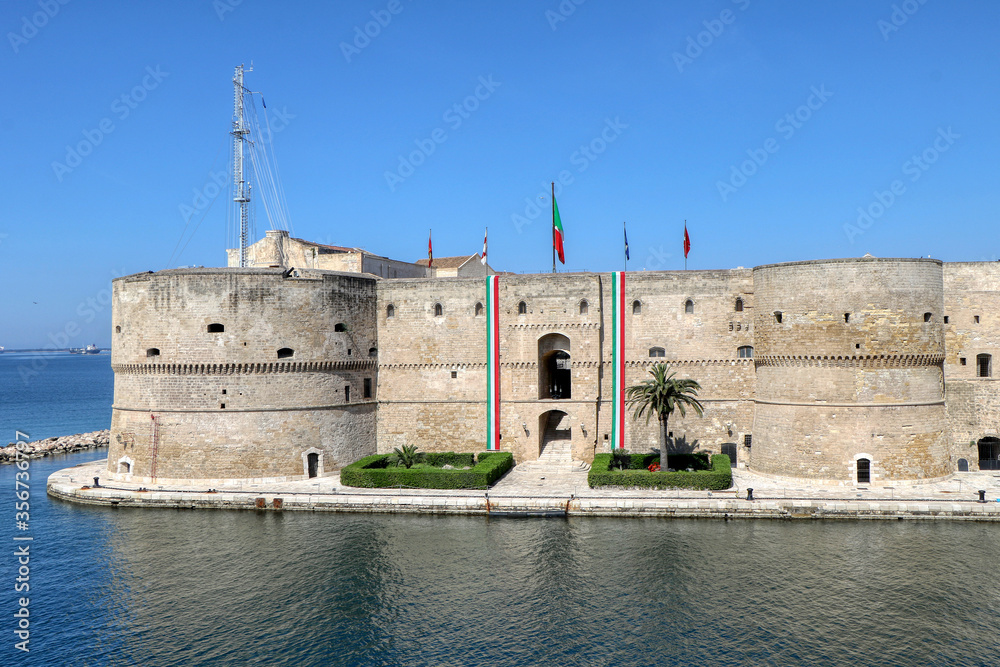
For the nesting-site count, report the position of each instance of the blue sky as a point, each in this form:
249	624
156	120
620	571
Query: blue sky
766	125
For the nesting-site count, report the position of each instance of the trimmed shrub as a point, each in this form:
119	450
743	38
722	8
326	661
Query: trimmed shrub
719	477
440	459
372	472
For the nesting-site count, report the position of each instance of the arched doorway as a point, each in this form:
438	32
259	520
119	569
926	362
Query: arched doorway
555	434
554	374
963	465
989	453
312	461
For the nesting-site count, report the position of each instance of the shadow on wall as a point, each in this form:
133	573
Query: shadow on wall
681	445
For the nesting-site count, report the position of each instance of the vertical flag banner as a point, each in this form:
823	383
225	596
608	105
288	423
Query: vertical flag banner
557	230
485	236
687	240
493	363
626	241
430	251
618	360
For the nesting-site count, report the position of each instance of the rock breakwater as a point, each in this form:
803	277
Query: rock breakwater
65	444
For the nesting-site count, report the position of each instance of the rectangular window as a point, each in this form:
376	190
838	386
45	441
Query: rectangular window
747	440
975	318
347	393
368	387
983	363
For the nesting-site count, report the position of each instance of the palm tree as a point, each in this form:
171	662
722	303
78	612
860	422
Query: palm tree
661	396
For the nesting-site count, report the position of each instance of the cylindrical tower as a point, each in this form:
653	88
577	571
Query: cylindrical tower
241	374
849	358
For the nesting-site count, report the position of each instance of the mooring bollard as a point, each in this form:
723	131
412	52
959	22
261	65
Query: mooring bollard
97	482
749	494
982	496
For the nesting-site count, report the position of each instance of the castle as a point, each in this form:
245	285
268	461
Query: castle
848	371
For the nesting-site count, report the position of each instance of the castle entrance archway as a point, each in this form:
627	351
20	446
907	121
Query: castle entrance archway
989	453
555	435
554	379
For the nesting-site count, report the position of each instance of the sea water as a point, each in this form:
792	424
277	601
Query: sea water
214	587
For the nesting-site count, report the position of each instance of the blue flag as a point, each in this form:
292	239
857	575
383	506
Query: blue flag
626	240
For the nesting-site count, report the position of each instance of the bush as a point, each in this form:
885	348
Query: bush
719	477
372	472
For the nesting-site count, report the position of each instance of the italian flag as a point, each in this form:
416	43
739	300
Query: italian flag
618	360
493	363
557	230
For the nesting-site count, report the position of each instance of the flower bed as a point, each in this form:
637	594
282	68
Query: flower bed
640	474
374	472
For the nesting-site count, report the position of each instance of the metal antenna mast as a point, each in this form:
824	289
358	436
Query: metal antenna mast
241	190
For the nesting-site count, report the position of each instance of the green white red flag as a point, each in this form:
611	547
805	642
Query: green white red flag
557	231
493	363
618	360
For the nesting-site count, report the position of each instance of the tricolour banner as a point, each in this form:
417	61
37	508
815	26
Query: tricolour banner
493	363
618	360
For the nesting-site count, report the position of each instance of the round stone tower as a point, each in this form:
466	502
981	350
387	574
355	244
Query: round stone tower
226	374
849	357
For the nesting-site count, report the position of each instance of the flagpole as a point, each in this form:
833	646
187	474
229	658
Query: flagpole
553	226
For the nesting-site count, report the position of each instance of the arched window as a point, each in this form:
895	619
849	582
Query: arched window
153	352
479	309
118	329
522	308
744	352
438	310
584	307
739	305
689	306
215	327
340	327
657	352
390	311
637	307
286	353
983	363
373	352
864	471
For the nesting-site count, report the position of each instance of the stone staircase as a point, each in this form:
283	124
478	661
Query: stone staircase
556	458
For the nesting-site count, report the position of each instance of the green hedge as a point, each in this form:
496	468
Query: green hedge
372	472
719	477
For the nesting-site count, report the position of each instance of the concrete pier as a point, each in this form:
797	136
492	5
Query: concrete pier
548	491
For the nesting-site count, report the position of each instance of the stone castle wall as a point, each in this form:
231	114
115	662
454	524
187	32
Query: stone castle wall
241	373
858	366
849	366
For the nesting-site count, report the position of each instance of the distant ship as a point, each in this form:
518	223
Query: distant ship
90	349
1	349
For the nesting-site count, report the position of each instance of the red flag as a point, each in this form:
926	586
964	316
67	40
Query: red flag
430	251
483	260
687	240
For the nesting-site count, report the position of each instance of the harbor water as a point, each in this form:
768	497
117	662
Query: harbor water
211	587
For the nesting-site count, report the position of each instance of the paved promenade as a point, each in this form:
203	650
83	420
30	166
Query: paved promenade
547	489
